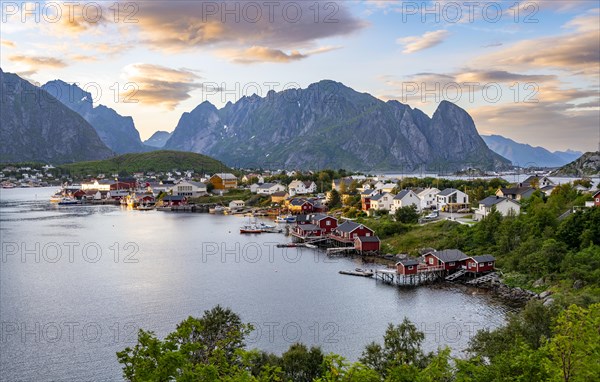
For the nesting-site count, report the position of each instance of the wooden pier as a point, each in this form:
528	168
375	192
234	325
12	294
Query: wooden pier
424	275
357	273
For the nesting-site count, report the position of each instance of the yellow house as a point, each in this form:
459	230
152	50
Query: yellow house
279	197
223	181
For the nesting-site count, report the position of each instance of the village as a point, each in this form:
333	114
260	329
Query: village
315	216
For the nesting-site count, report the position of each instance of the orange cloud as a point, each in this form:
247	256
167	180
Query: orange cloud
414	44
159	85
38	61
257	54
575	52
8	44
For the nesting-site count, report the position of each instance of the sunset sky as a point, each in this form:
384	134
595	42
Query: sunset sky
530	72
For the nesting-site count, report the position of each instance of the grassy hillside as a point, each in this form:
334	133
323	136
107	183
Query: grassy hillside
151	161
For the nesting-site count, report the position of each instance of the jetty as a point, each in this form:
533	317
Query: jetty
360	273
423	275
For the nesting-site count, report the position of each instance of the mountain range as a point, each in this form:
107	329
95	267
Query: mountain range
116	131
587	165
158	139
329	125
525	155
35	126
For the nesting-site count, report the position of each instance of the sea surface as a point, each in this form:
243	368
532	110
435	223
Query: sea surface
77	282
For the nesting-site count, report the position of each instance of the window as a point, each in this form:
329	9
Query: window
328	222
431	260
452	264
410	267
490	263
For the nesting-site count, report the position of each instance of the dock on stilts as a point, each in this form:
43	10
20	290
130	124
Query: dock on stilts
423	275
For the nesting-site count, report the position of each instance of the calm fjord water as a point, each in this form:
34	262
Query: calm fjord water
63	318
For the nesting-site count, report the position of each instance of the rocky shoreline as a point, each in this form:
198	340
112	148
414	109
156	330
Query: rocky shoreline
517	294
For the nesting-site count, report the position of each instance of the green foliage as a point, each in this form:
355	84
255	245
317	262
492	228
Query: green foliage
152	161
538	344
335	200
407	214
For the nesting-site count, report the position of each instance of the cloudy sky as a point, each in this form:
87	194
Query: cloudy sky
526	70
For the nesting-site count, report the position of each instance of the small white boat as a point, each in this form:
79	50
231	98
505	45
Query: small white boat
285	219
68	201
253	228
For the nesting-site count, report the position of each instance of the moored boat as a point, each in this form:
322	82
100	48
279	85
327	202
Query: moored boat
68	201
285	219
250	229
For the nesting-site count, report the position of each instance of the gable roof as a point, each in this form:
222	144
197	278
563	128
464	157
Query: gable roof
493	200
309	227
376	197
349	226
368	239
447	192
308	183
226	176
516	190
483	258
279	193
197	184
408	262
596	194
266	186
428	191
319	217
450	255
299	202
540	178
402	194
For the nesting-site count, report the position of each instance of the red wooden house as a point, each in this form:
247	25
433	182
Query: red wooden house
407	267
300	206
367	244
307	230
325	222
451	259
597	199
174	200
123	185
348	231
481	264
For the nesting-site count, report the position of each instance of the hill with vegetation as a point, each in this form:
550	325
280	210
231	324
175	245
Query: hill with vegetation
587	165
151	161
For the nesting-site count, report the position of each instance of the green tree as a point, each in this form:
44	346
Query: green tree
401	347
407	214
301	365
575	347
335	200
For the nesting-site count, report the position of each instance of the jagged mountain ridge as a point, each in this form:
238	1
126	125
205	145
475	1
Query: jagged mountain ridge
116	131
35	126
329	125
